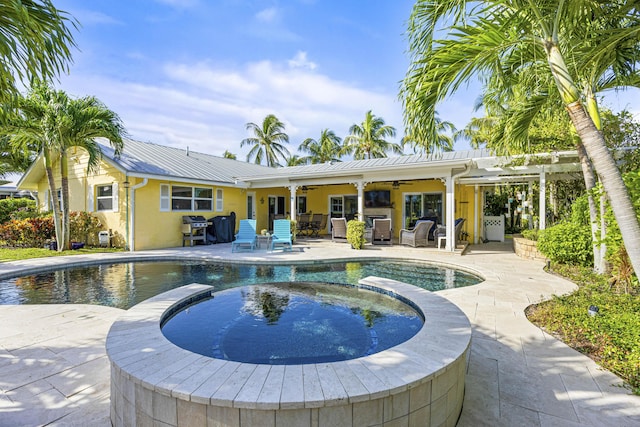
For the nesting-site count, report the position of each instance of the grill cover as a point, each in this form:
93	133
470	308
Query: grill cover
223	228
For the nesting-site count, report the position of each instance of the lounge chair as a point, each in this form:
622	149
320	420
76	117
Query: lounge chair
339	229
281	234
381	232
246	235
419	236
441	232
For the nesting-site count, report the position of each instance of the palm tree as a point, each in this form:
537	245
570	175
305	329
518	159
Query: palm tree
326	149
35	43
228	155
446	133
267	142
49	122
295	160
497	39
367	140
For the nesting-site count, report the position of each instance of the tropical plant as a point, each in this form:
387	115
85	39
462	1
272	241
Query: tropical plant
355	233
498	39
36	42
368	139
295	160
327	148
446	134
228	155
49	122
266	144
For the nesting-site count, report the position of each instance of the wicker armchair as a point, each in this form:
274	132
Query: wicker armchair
419	236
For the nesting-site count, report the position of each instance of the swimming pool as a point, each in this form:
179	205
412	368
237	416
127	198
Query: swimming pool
123	285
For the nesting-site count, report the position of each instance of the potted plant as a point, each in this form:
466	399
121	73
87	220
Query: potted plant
355	234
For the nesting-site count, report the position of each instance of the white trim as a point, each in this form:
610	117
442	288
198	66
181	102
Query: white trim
165	199
90	198
219	201
115	197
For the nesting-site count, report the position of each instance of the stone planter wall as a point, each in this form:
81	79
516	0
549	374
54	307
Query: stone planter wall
526	248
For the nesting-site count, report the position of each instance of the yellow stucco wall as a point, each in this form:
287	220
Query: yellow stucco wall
155	229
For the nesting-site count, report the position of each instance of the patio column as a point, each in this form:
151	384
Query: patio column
360	185
292	201
450	213
542	221
476	214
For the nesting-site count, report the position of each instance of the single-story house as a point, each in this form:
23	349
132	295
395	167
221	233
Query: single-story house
142	195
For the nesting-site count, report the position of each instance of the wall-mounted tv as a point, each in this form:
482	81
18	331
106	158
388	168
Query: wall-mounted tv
377	199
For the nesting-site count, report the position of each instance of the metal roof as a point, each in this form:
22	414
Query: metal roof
153	160
149	160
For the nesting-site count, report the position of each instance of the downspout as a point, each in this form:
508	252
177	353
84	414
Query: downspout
451	209
132	210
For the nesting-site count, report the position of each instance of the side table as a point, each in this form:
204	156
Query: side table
263	239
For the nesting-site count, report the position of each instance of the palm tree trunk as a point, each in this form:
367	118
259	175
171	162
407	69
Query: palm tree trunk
54	199
590	184
64	183
611	179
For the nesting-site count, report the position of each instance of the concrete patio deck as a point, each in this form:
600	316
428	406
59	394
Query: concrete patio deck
54	370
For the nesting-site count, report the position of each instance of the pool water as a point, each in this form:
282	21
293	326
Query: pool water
123	285
297	323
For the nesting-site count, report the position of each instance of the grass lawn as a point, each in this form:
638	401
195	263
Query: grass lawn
17	254
611	338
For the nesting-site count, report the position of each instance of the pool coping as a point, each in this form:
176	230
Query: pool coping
137	348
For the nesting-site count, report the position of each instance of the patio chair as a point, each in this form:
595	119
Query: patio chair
318	223
246	235
281	234
303	223
381	232
419	236
441	232
338	229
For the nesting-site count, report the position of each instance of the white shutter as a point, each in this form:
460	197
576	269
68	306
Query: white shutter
165	199
116	199
90	199
47	201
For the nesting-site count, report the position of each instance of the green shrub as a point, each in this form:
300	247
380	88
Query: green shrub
84	227
355	234
530	234
580	211
567	243
17	209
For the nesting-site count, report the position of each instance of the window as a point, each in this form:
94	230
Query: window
190	198
219	200
50	199
302	204
104	198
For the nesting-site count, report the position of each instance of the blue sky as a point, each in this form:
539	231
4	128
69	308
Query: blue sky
194	72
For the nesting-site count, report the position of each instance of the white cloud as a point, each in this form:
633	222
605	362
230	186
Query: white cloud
268	15
301	61
206	106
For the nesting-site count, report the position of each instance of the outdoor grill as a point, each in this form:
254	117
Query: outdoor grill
194	228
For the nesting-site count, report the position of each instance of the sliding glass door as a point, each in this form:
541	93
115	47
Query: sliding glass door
422	205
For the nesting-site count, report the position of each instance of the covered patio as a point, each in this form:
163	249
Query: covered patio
441	187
